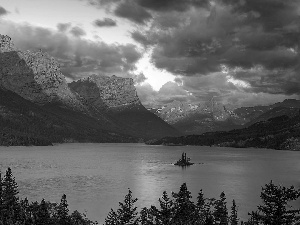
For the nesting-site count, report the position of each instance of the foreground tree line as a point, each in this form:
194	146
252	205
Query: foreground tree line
178	209
16	211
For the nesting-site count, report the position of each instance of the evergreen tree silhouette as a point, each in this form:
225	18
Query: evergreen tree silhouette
1	198
43	215
275	209
220	212
165	214
233	216
204	214
112	218
127	211
26	213
146	217
126	214
63	211
184	208
11	208
80	219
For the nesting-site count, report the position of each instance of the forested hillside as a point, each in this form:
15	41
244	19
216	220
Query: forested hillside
281	132
25	123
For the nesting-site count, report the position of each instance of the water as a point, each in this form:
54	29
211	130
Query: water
95	177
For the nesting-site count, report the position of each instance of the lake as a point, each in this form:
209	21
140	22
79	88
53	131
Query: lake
95	177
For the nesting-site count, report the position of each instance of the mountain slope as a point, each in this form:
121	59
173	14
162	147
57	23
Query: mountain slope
25	123
213	116
98	109
35	76
117	97
199	118
276	133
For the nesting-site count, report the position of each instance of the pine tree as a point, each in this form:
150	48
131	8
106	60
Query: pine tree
112	218
26	213
165	214
209	217
77	218
275	209
80	219
126	214
146	217
11	209
1	198
43	215
127	211
220	212
63	212
233	216
184	208
204	215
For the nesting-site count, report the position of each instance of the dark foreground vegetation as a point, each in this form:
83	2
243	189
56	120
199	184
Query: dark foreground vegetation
16	211
178	209
280	132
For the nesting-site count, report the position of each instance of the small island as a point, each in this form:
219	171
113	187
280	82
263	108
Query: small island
184	161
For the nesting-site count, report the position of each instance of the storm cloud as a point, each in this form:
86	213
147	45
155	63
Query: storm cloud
106	22
240	35
238	51
63	27
131	10
77	31
78	57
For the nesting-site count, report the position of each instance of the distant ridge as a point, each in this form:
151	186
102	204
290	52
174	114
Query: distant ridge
281	133
212	116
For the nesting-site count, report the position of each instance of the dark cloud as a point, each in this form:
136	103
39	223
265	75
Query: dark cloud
130	53
241	34
158	5
139	78
78	57
271	14
170	19
131	10
141	11
168	93
169	5
63	27
271	81
3	11
106	22
77	31
102	2
142	38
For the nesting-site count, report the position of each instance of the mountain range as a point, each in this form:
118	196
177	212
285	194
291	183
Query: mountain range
214	116
38	106
282	132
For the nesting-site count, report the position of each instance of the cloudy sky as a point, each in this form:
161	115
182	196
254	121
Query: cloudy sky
241	52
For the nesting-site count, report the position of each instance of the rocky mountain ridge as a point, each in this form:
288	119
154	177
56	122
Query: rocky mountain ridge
106	92
35	76
99	104
213	116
